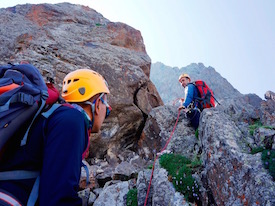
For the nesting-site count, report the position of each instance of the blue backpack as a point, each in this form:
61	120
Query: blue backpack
23	97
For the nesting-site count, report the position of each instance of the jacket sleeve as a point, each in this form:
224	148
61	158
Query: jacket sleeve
189	96
63	147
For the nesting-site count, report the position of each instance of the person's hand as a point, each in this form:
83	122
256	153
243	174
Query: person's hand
181	107
181	100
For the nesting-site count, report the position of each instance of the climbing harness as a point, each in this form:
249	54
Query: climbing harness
148	190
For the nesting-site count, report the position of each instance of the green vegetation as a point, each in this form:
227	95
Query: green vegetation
256	150
268	127
197	133
268	158
196	163
98	24
180	172
268	154
254	126
257	124
150	166
132	198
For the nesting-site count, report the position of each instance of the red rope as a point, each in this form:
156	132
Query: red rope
148	190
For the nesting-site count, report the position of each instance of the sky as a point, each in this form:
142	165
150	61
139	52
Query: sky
236	37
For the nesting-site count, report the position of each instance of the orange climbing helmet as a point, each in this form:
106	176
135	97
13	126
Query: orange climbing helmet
184	75
82	84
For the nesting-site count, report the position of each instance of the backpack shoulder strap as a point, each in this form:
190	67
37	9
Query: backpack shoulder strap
51	110
87	172
43	103
34	192
24	174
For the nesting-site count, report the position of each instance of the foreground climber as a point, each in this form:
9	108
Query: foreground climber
57	144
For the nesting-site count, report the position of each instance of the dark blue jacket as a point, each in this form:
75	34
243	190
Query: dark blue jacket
192	94
57	154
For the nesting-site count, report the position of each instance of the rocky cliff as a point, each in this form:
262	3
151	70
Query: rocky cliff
228	148
64	37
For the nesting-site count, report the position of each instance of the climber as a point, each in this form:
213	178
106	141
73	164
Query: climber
189	104
56	145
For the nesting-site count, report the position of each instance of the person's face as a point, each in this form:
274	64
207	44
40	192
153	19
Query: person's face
184	81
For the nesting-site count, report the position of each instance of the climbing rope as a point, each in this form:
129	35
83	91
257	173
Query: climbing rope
148	190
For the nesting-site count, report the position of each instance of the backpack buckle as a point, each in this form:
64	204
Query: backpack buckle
24	98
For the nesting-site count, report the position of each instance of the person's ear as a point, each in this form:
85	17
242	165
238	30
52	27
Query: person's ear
97	106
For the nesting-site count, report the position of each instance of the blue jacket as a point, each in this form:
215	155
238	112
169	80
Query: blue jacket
191	93
57	154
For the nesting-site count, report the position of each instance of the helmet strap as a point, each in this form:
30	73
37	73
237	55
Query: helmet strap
93	116
88	120
91	122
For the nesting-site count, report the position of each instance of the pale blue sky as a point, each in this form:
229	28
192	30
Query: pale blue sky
236	37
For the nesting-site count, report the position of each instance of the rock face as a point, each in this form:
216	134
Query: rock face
158	130
162	191
234	176
115	194
231	174
270	95
268	109
63	37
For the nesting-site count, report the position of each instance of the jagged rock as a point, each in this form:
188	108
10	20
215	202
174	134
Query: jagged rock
268	112
157	131
269	95
92	176
233	176
92	198
102	172
164	192
264	137
124	171
105	176
240	109
113	195
97	191
142	186
59	38
253	100
138	162
203	192
161	193
84	195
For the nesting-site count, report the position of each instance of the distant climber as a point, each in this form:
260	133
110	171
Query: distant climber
189	103
198	96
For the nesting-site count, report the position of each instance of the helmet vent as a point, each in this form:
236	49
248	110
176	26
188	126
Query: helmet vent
69	81
75	80
82	90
